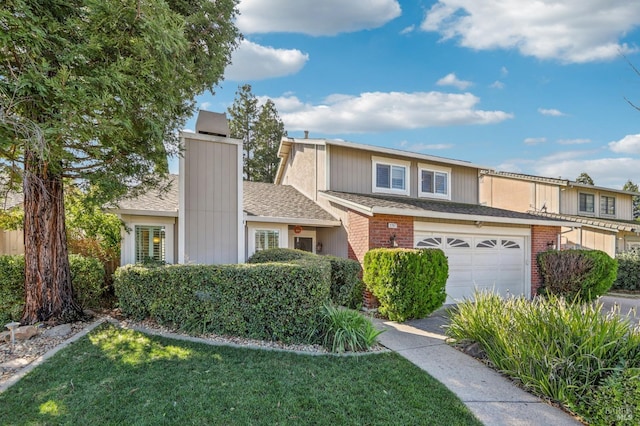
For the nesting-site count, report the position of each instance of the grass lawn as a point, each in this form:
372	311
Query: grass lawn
115	376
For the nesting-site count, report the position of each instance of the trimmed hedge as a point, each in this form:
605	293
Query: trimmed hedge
628	271
269	301
408	283
87	279
577	274
346	285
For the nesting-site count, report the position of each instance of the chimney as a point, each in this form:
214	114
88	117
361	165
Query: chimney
212	123
306	134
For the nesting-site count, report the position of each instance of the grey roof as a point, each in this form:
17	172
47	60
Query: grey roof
618	225
260	200
270	200
422	207
155	200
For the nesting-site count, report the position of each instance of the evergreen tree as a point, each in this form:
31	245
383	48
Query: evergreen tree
260	130
630	186
585	179
93	90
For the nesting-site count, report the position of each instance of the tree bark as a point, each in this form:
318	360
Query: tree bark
48	290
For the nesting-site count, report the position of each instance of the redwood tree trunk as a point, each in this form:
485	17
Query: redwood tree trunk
48	291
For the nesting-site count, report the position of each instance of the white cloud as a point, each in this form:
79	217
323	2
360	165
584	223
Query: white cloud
421	147
534	141
630	144
205	106
252	61
551	112
452	80
577	141
408	30
571	31
497	85
379	111
609	172
313	17
504	71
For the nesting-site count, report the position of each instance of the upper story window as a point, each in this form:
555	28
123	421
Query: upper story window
586	203
390	176
607	205
435	182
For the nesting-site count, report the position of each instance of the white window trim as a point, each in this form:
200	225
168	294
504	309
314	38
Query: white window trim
252	227
439	169
595	206
128	252
390	162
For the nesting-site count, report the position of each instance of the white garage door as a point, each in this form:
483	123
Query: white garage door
496	263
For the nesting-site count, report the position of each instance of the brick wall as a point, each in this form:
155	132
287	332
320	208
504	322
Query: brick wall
540	237
357	235
379	232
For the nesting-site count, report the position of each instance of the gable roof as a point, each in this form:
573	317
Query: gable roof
436	209
614	225
286	143
555	181
262	202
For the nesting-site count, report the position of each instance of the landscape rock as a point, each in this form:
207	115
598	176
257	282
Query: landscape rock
58	331
21	333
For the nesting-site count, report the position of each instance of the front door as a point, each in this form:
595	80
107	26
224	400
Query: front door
303	243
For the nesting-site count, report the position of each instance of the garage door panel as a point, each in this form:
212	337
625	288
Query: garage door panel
482	262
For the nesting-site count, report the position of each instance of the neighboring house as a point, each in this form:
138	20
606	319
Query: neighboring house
11	242
392	198
602	217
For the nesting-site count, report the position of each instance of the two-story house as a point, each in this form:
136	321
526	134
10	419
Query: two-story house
605	215
392	198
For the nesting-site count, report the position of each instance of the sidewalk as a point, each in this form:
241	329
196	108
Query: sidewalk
493	399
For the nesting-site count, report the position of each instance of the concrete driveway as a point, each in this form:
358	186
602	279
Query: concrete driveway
628	305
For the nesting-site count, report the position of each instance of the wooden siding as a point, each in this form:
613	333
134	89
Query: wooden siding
518	195
590	238
351	171
570	196
334	241
11	242
210	211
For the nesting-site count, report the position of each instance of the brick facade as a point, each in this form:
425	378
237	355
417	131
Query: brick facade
541	236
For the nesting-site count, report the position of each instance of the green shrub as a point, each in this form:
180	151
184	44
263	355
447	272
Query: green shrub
616	401
407	283
345	330
577	274
87	278
279	255
269	301
346	285
11	288
628	271
556	349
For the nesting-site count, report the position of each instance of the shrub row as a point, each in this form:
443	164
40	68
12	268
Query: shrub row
87	279
269	301
408	283
346	285
628	271
577	274
569	352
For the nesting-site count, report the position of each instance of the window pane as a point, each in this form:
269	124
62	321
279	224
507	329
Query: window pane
608	205
397	180
266	239
427	181
383	178
587	203
441	183
150	243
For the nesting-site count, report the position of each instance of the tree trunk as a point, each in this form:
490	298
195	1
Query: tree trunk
48	290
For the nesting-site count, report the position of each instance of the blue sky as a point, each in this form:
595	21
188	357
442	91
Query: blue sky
535	87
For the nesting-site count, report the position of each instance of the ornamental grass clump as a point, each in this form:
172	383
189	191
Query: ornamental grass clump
557	349
346	330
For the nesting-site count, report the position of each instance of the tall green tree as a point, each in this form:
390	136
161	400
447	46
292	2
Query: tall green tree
260	129
93	90
630	186
585	179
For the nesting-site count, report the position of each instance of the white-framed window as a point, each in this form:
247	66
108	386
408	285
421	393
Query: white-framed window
586	203
390	176
434	182
150	243
607	205
266	239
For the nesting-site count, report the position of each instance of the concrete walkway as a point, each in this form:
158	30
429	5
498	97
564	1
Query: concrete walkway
492	398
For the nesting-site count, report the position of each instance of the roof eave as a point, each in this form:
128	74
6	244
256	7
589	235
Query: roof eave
293	221
138	212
